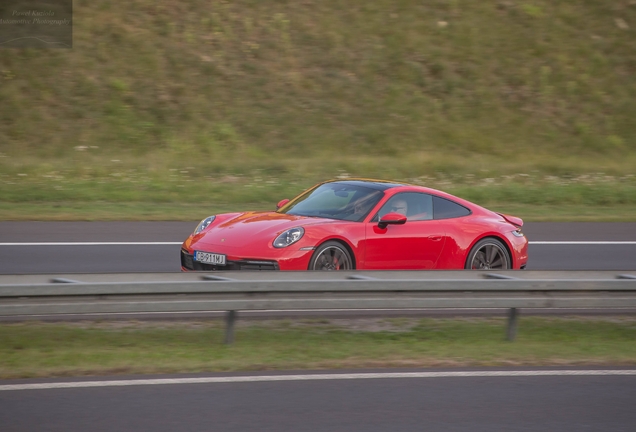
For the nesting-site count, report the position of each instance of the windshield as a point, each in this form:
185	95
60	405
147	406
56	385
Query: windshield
335	201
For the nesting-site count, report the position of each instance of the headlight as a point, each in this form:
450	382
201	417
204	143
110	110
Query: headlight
290	236
517	233
204	224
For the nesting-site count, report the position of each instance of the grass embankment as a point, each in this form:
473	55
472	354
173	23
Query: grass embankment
525	103
37	349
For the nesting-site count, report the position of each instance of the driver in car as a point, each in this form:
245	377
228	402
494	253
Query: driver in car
398	206
394	205
362	206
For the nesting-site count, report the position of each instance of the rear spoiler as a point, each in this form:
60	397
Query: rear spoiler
518	222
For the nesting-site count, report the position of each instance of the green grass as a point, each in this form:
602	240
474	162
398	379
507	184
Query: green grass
190	195
91	348
173	103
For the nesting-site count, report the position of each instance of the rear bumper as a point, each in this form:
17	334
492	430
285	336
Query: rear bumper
519	250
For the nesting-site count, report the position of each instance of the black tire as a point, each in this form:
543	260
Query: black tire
489	254
331	255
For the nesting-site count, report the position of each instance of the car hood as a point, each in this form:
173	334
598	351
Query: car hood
250	227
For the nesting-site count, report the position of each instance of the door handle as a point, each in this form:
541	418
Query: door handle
435	238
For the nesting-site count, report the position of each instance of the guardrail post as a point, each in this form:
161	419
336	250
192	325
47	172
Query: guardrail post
512	324
230	318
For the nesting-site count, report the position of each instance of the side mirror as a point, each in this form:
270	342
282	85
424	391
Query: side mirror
392	219
281	203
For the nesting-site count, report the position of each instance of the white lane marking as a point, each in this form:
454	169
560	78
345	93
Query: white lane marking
312	377
179	243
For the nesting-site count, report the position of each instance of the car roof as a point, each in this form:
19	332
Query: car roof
383	185
380	185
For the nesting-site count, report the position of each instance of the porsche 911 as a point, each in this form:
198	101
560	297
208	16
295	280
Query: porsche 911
359	224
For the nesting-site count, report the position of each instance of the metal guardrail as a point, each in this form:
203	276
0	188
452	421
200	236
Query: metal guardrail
354	291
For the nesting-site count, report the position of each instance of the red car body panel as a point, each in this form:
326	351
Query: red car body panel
417	244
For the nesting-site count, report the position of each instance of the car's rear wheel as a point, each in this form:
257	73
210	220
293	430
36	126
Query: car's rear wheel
331	255
488	254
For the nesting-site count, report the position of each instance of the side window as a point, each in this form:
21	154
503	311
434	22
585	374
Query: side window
415	206
446	209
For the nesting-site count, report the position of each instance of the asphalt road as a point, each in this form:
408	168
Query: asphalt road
16	258
475	404
529	403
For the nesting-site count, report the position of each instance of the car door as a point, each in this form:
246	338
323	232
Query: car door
417	244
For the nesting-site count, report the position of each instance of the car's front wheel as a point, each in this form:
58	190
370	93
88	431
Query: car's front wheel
331	255
488	254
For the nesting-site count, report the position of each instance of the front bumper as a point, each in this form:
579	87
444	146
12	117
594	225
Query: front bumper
189	264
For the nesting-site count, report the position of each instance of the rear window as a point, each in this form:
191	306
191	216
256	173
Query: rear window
446	209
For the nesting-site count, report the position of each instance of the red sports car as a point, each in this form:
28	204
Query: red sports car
363	225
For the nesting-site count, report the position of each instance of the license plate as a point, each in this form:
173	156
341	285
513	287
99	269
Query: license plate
209	258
